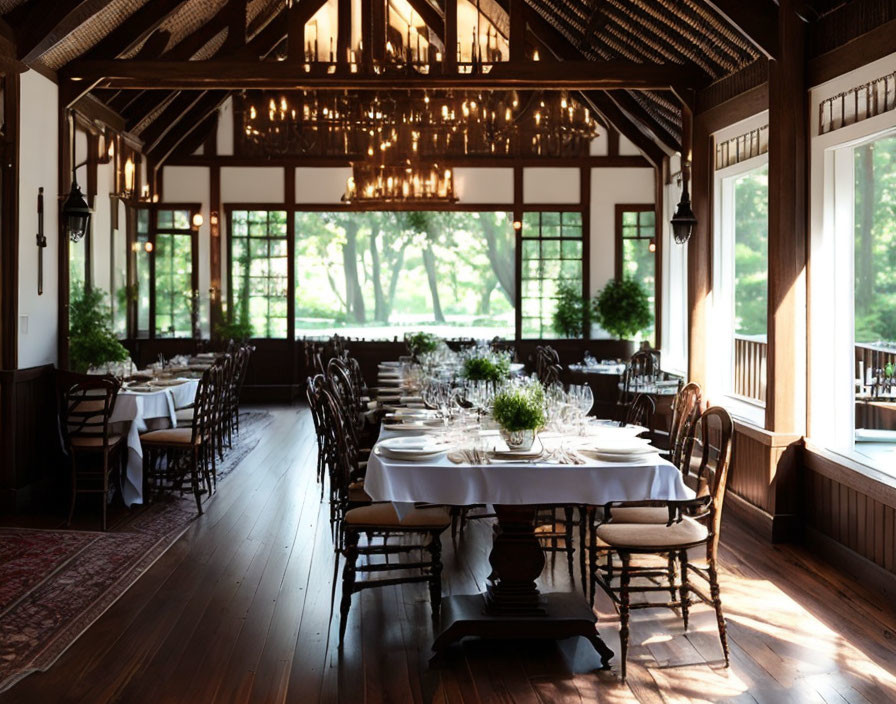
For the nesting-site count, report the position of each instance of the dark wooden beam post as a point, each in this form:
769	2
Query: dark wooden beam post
9	225
449	59
756	20
214	225
517	30
344	32
787	231
295	34
658	225
378	30
701	149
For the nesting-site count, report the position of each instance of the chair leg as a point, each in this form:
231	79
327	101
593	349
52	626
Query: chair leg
71	508
348	580
584	515
684	590
717	605
592	572
194	479
105	496
570	543
435	580
670	574
625	581
455	515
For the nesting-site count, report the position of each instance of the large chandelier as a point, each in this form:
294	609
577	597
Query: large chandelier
392	126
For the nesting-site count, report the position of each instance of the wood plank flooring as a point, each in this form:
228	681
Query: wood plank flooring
239	611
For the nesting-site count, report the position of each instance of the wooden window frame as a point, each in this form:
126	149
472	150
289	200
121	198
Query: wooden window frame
619	239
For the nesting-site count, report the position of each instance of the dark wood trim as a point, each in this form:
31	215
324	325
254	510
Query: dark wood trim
236	74
94	109
756	21
658	240
289	199
593	162
700	249
214	226
9	224
628	208
45	23
585	205
518	250
745	105
449	59
858	52
134	29
787	226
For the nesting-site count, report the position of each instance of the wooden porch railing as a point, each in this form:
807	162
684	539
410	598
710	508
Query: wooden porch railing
871	356
750	357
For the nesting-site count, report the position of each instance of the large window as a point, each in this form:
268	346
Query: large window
142	259
380	274
738	333
259	278
552	252
636	249
173	274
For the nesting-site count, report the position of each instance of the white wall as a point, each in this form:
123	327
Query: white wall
38	166
609	187
323	185
473	186
551	185
251	184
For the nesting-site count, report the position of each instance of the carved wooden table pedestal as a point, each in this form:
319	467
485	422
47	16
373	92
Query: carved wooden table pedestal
512	607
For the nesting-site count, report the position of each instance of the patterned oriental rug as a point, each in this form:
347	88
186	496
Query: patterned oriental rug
55	583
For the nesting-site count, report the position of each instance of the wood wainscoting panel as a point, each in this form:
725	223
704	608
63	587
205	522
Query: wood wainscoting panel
850	518
763	483
29	445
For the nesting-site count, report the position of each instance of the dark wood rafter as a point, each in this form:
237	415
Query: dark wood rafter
189	123
169	118
236	25
237	74
297	16
757	21
142	111
344	31
657	130
449	58
431	17
134	30
41	24
517	39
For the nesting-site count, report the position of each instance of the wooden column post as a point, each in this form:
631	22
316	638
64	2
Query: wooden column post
700	245
216	315
787	216
449	60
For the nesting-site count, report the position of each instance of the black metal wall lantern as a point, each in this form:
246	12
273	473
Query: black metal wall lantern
684	220
75	211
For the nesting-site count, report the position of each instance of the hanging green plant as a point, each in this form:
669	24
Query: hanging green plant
91	340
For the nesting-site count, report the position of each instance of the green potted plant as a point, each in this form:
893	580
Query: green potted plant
573	313
519	412
622	308
239	329
421	343
485	365
91	340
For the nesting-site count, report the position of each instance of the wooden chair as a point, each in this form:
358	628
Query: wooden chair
685	412
644	368
172	454
690	524
380	520
86	402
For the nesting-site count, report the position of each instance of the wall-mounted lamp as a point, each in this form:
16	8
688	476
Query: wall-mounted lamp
129	172
652	246
148	247
197	220
75	211
684	220
517	225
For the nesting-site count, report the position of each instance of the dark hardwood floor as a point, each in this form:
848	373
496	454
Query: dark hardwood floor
238	610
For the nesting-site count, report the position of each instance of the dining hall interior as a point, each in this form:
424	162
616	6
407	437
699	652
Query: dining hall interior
545	351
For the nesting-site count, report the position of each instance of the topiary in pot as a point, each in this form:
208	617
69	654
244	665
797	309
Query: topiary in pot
622	308
573	313
91	340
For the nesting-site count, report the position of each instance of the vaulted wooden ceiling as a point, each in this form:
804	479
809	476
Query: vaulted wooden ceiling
707	39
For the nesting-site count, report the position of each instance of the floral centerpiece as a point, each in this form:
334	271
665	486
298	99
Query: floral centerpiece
519	411
481	364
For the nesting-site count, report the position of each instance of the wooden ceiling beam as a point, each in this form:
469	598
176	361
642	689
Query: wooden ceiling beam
189	121
45	23
168	118
756	20
431	17
134	30
239	74
600	102
639	113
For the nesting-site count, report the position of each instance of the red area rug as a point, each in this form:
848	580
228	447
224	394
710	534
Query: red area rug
55	583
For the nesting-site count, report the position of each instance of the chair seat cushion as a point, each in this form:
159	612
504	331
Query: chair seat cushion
383	515
185	416
641	535
640	514
93	441
171	436
356	493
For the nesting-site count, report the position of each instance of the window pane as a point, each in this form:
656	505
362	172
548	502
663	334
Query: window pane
173	256
381	274
638	261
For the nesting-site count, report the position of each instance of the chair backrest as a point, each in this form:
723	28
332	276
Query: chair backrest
205	402
325	437
547	365
640	412
643	368
685	411
341	450
86	402
709	456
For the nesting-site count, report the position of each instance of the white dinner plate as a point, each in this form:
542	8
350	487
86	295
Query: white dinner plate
618	457
622	446
410	447
413	426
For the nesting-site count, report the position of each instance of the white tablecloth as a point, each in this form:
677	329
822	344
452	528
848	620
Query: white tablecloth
142	411
440	481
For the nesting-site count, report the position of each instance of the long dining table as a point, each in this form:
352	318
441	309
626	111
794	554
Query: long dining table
512	606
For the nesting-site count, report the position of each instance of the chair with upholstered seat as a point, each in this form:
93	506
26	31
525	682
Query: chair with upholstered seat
690	524
86	402
173	454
